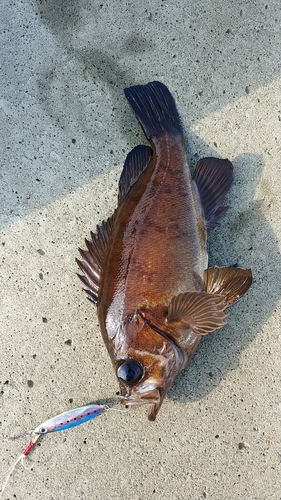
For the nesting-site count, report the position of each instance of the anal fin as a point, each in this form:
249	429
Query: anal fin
213	178
228	282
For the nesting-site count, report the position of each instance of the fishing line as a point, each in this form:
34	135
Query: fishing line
116	409
20	458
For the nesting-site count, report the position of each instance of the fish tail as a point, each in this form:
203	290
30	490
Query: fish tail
154	107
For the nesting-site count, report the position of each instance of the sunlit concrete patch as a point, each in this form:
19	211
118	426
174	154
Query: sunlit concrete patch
42	331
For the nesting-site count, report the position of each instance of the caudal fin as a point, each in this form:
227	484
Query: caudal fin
154	107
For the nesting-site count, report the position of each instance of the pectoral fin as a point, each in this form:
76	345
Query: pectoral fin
200	312
228	282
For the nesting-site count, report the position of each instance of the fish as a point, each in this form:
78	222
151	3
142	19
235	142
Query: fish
146	266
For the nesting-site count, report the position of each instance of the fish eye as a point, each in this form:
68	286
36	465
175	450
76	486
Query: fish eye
130	371
42	430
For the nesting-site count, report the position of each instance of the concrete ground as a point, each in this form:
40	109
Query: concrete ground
66	129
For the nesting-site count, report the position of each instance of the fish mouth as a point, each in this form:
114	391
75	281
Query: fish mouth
152	398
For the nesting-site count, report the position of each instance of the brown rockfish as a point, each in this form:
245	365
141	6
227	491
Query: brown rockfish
146	267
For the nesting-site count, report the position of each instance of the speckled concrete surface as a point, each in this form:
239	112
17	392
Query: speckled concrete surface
66	129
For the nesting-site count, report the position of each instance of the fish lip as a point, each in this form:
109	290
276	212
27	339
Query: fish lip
154	405
152	397
153	411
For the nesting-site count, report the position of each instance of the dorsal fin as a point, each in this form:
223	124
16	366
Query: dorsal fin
229	282
94	258
136	162
213	178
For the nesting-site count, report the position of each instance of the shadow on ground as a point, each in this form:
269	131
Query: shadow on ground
80	86
246	238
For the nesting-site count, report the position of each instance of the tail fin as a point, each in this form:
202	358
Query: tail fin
154	107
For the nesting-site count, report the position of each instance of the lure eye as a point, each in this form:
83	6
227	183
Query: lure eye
130	371
42	430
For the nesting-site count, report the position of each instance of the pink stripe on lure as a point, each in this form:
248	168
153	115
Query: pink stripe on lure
70	419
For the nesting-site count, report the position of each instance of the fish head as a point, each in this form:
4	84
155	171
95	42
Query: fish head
147	366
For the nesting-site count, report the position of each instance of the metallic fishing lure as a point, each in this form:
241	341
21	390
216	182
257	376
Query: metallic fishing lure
60	422
70	419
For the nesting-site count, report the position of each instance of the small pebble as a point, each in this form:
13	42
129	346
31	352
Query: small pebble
243	446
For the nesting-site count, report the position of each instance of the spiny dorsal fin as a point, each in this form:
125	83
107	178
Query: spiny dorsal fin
213	178
136	162
94	258
229	282
201	312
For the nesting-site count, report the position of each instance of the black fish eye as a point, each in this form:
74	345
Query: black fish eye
130	371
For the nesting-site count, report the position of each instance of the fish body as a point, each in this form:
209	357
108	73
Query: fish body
146	268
